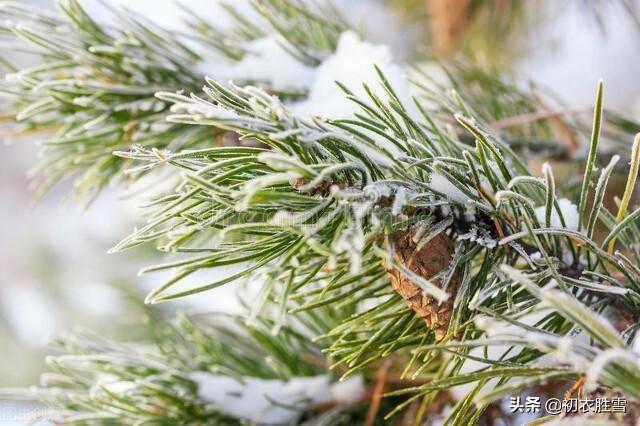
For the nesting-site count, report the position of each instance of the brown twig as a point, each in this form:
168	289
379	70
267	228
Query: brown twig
448	20
518	120
378	392
577	387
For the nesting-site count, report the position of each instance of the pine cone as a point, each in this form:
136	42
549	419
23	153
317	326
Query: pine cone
432	258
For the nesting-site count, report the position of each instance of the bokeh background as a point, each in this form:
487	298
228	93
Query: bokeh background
55	274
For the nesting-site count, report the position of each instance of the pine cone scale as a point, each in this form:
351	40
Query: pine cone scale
426	261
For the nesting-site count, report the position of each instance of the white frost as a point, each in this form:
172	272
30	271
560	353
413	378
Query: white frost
569	213
352	65
272	401
203	109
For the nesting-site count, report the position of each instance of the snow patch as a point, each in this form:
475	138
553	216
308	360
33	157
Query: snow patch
266	61
353	65
348	391
272	401
569	213
443	185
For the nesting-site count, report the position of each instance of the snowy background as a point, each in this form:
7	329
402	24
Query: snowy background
54	270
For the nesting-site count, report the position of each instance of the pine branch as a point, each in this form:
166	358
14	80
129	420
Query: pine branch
92	88
102	382
340	220
377	188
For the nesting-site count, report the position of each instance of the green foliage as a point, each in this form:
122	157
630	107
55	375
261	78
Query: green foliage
97	381
267	218
305	210
91	89
94	89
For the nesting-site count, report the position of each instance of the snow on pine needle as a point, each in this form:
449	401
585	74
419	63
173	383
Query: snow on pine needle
90	90
192	370
488	198
394	221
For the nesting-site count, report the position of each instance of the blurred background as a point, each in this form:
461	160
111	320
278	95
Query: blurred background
55	274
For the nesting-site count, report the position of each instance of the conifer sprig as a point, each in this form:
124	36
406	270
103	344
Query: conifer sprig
98	381
310	208
276	200
91	89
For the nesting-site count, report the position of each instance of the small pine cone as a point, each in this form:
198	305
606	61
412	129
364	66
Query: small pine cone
432	258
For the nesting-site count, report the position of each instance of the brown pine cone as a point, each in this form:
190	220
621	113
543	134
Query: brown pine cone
432	258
